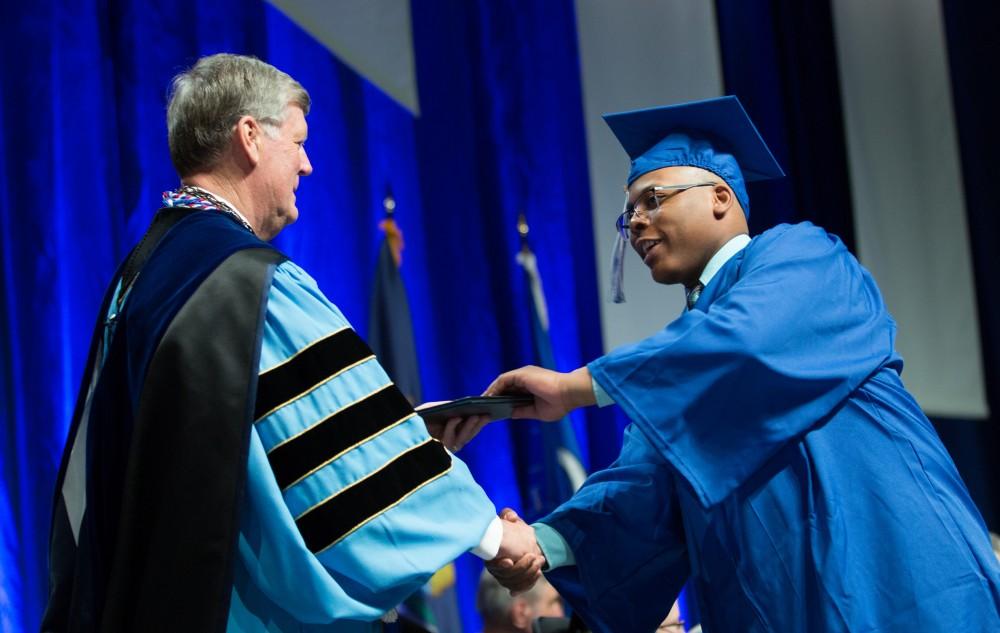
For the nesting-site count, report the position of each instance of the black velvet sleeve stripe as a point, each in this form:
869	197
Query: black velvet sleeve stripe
334	519
330	438
308	369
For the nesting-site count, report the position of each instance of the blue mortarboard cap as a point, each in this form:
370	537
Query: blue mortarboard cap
713	134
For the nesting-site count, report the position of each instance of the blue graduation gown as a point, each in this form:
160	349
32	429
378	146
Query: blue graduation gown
776	459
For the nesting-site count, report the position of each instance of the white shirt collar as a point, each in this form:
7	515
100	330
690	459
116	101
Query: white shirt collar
231	205
723	255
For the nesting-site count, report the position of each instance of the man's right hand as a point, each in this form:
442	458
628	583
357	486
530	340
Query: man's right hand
518	565
518	537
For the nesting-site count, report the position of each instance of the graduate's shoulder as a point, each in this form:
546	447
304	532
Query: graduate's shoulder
803	240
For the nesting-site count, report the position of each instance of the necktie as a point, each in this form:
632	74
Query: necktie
693	294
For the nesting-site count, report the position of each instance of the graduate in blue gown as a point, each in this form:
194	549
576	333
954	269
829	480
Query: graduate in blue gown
238	459
775	459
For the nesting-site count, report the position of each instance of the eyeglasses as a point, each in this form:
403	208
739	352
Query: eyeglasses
649	201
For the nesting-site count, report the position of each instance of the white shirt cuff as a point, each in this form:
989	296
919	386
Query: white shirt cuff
489	545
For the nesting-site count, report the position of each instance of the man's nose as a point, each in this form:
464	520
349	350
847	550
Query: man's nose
637	223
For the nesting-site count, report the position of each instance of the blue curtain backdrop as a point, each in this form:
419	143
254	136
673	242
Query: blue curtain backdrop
84	159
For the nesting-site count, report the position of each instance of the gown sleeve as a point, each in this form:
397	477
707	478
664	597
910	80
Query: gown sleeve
350	505
624	529
794	329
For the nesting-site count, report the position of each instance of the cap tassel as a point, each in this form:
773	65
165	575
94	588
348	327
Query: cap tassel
618	270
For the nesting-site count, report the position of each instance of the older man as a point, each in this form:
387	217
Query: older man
775	458
238	459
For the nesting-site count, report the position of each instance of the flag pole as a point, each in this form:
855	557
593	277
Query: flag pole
389	203
388	225
522	230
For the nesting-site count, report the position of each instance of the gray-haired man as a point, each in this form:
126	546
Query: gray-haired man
238	459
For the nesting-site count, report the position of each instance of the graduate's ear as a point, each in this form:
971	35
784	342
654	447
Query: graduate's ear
723	200
246	139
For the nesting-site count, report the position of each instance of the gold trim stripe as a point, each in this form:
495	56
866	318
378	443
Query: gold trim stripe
304	348
327	417
314	387
349	449
387	508
369	475
347	510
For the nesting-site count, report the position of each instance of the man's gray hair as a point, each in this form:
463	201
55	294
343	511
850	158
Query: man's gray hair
493	600
208	99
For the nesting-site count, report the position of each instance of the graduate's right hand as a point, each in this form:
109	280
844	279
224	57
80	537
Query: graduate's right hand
518	564
556	393
519	576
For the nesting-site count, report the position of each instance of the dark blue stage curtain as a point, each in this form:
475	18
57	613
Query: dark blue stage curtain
84	160
779	58
973	54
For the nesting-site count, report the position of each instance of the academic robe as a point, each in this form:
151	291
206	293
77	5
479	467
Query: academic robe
776	460
239	461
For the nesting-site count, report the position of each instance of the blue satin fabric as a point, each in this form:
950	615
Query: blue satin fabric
772	424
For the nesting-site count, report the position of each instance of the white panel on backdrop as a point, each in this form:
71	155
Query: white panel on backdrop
374	37
909	208
634	55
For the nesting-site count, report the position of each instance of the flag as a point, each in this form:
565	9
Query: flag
555	472
390	334
390	328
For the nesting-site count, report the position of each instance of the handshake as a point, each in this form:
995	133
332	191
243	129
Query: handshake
518	564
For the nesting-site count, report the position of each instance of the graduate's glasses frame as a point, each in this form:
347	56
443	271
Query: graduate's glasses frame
649	201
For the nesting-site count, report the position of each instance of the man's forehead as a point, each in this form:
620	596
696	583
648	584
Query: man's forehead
294	115
674	175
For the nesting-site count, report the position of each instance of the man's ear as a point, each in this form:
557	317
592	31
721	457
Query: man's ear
723	200
246	139
520	613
